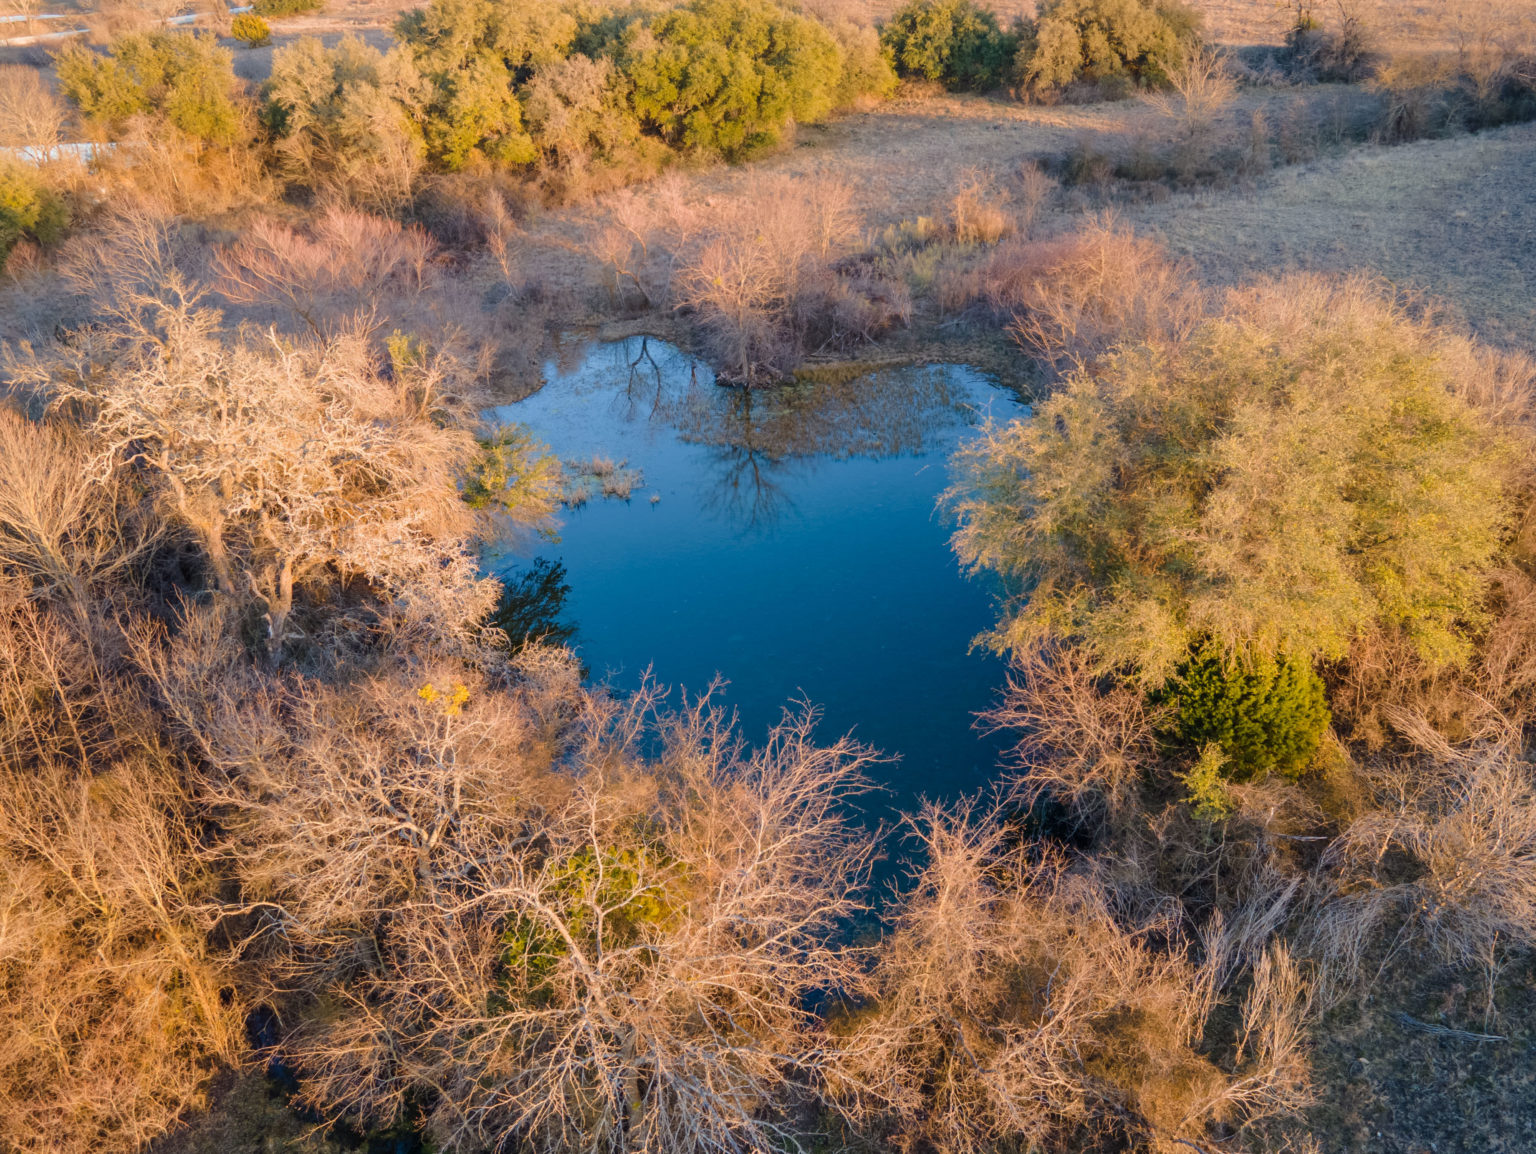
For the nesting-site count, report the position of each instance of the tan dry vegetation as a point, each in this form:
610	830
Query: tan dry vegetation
898	160
492	895
758	272
1392	25
1454	219
1013	1005
1396	25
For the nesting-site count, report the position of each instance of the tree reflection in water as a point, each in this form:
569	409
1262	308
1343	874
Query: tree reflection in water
785	537
762	436
531	601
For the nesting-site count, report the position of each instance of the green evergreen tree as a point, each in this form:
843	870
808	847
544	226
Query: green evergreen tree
183	76
954	42
1264	714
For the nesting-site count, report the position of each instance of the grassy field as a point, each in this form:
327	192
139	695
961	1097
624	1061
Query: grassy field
1455	219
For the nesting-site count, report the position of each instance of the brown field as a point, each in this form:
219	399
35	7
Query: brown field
1455	219
1394	25
1452	219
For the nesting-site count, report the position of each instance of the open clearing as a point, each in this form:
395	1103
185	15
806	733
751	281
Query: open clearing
1455	218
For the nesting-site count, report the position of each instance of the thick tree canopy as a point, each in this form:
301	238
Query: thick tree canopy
1101	40
1296	473
183	76
727	75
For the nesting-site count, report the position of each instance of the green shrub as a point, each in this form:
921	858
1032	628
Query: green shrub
287	7
728	76
951	41
1264	714
1114	44
569	85
184	77
1208	796
345	119
29	210
250	29
472	55
867	71
578	114
1301	472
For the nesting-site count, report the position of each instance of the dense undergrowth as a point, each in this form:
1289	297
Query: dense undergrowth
282	779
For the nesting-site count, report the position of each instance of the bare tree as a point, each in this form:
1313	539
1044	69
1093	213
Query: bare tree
1200	87
292	466
610	955
31	116
113	1006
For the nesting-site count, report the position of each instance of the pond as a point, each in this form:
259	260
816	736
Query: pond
787	540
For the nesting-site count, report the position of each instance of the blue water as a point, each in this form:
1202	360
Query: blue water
794	548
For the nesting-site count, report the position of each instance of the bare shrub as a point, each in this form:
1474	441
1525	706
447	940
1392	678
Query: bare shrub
349	271
31	116
613	955
62	531
759	271
1011	1007
1382	672
176	175
1072	299
1340	46
645	237
1416	98
976	211
1451	852
733	284
1200	87
1085	739
112	1004
1507	657
762	280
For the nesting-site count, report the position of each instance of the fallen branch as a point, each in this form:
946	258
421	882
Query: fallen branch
1445	1031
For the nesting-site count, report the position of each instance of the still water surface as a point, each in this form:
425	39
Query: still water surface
793	547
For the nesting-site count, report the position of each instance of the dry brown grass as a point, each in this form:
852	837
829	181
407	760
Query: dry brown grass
978	211
1070	299
1394	25
1012	1006
1397	25
1452	219
1447	860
